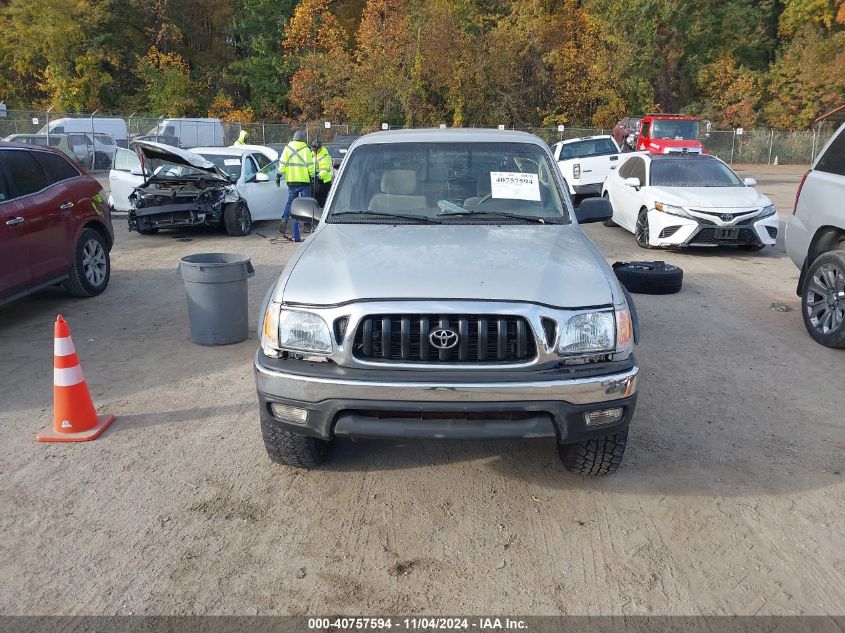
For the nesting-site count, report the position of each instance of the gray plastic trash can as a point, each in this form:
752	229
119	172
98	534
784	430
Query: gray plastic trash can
216	287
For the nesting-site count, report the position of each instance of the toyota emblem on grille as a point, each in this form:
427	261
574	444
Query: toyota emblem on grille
442	338
726	217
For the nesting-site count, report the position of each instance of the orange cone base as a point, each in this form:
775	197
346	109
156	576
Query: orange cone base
50	435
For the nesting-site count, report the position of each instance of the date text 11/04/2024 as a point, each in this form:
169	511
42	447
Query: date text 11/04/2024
420	623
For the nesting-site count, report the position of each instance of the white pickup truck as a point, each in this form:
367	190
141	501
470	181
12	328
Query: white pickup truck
585	162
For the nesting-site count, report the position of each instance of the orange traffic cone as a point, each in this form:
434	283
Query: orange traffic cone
74	416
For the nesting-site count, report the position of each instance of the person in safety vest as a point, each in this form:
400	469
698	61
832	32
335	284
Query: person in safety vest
323	168
296	165
242	138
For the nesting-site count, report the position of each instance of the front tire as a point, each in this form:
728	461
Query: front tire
642	231
91	267
237	219
823	299
597	457
293	449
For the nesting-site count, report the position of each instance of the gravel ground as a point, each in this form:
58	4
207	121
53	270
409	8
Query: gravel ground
730	499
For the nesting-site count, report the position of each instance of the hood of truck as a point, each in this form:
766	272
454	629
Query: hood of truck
661	145
555	265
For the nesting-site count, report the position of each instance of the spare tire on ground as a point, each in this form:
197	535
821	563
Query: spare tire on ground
651	278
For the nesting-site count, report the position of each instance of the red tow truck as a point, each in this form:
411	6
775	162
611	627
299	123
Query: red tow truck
660	134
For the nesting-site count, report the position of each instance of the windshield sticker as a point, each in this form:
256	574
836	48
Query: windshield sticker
231	162
514	186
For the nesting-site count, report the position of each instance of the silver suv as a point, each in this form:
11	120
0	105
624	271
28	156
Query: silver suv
815	240
448	292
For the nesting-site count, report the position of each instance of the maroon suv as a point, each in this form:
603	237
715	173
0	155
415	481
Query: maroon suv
55	225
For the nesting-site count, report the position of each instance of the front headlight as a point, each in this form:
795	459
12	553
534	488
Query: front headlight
767	211
304	332
671	209
588	333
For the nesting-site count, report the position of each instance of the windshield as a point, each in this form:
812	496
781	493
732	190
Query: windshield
429	182
229	165
591	147
686	172
677	129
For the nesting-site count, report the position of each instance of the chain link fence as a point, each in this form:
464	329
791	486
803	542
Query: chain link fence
752	146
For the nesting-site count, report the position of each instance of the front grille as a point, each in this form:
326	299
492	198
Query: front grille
708	236
481	338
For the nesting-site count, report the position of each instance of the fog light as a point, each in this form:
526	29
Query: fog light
603	416
288	413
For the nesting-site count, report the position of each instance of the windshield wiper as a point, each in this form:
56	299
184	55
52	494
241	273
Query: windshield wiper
496	214
382	214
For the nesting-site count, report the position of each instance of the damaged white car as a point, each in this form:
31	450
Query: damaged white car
184	189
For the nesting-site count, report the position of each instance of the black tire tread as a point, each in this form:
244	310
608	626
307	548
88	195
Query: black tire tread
230	219
655	282
597	457
293	449
76	284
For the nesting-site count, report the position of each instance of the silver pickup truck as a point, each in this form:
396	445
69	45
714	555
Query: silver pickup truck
448	292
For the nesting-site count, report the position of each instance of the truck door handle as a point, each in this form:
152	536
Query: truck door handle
14	221
67	205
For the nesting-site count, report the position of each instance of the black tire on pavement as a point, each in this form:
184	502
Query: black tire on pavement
293	449
823	299
609	222
237	219
597	456
91	267
651	278
642	231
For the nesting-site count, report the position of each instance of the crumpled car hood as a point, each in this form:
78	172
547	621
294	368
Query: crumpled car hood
151	152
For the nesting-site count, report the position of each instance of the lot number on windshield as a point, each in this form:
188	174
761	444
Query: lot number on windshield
514	185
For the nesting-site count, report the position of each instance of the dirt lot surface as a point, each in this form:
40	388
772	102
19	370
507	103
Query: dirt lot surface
730	499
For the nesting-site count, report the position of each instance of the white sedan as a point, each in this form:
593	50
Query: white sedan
251	170
254	176
689	200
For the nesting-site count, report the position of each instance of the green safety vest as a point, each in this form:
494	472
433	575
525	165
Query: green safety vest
324	165
297	162
242	138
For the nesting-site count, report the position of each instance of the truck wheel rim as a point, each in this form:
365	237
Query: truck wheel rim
642	229
94	262
826	299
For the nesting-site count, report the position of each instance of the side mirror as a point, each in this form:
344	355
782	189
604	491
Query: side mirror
305	209
593	210
632	182
750	182
261	177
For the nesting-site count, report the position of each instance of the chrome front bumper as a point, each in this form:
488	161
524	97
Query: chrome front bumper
275	383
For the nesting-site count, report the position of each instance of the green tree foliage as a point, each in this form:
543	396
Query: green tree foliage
426	62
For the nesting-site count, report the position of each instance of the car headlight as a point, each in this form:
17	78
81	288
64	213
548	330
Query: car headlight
671	209
588	333
767	211
304	332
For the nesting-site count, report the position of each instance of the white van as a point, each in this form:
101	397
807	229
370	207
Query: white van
191	132
113	126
